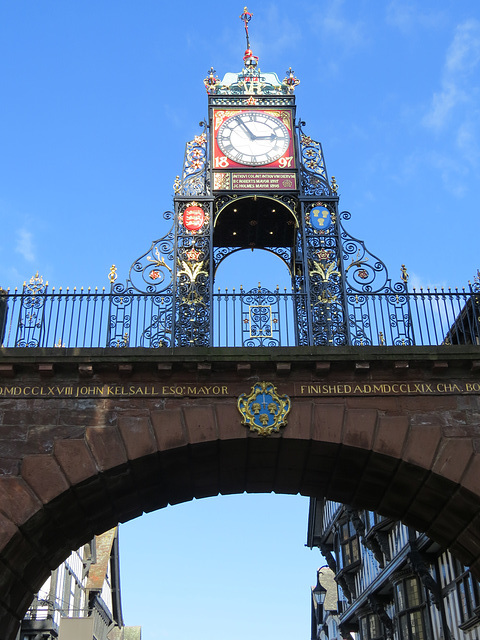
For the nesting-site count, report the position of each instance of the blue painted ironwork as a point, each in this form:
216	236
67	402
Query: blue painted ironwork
255	318
365	276
195	177
193	276
260	318
144	304
31	323
84	318
313	171
323	268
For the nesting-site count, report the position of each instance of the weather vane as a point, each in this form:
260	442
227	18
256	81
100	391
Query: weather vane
246	17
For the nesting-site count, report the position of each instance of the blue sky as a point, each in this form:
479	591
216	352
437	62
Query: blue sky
98	100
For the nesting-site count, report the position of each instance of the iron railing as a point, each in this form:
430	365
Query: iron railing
259	317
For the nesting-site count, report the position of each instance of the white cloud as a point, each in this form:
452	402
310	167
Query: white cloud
417	283
443	103
457	86
24	245
463	55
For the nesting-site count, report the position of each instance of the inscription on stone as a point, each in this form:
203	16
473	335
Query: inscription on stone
111	390
387	389
195	390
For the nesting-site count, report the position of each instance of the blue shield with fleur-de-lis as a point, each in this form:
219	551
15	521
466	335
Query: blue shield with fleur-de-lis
320	218
264	410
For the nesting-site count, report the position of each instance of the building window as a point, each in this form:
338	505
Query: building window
410	610
468	596
349	547
372	519
371	628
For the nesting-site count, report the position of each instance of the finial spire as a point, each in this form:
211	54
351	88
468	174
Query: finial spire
246	17
249	59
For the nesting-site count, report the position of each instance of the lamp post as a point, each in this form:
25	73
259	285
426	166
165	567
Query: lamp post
318	598
319	592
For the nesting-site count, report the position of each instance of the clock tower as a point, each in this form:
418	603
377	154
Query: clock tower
254	180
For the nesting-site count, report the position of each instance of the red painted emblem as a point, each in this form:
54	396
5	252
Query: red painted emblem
193	218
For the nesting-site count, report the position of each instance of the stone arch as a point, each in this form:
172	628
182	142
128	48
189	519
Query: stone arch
76	466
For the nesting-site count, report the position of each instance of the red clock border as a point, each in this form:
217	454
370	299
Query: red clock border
221	162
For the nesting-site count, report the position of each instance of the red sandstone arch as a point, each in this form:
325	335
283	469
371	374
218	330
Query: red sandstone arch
84	466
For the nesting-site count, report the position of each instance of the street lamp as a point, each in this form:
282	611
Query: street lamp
319	592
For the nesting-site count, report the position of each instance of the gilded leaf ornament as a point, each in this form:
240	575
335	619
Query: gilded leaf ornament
325	273
192	271
159	261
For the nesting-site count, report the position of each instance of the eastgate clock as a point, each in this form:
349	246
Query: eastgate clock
253	138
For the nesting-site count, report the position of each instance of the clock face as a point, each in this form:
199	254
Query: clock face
253	138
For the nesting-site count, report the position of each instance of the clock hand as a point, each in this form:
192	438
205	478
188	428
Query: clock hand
271	137
244	126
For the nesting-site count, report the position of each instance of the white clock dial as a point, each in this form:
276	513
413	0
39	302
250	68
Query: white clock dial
253	138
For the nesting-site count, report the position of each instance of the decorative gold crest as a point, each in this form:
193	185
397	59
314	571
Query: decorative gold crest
264	411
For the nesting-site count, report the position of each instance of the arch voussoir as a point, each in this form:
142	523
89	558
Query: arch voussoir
106	446
44	476
75	459
137	435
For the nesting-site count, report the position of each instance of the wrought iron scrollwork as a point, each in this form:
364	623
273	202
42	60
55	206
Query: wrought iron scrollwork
378	310
260	318
193	278
31	318
314	178
195	179
151	276
152	272
220	253
324	271
476	283
363	270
